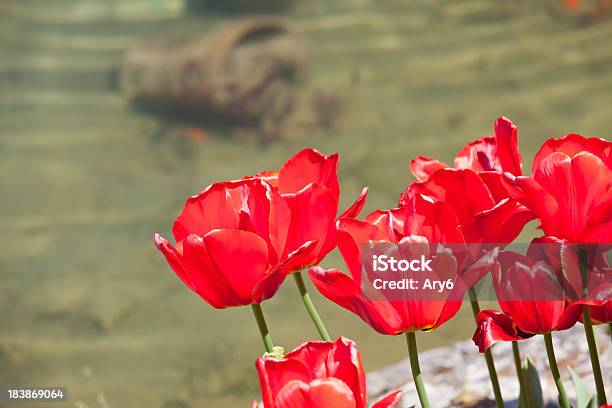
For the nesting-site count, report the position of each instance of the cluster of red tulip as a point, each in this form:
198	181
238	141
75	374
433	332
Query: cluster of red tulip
237	241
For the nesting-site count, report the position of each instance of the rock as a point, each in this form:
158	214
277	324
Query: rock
457	376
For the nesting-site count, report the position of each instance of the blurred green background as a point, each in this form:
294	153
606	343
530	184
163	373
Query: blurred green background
87	302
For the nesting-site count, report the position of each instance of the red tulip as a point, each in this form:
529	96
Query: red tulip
489	157
499	153
571	193
565	258
589	283
481	219
601	307
422	167
419	223
532	296
599	298
309	184
572	145
570	190
232	243
317	374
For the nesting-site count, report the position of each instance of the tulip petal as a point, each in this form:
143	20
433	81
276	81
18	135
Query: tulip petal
269	216
390	223
563	257
314	355
313	217
268	286
193	266
215	207
598	233
389	401
309	166
275	373
555	176
494	326
297	259
506	140
206	278
428	315
529	291
354	209
352	237
345	364
269	176
593	182
239	257
342	290
294	394
479	155
423	167
529	193
447	185
571	314
173	257
500	224
328	392
493	154
420	310
533	294
249	205
431	219
495	184
331	392
573	144
602	313
581	189
473	271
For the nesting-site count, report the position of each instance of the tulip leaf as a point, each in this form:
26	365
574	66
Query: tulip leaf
534	397
584	399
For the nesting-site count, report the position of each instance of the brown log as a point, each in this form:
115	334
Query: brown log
243	71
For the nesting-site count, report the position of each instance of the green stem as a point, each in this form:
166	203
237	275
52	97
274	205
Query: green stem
312	311
263	327
590	334
499	400
552	361
416	369
519	372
